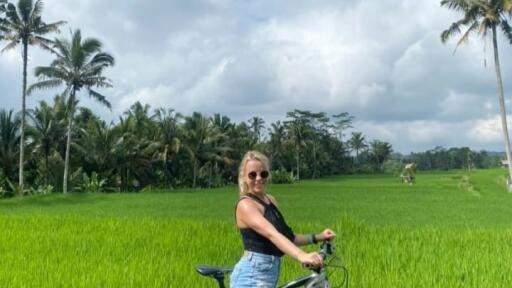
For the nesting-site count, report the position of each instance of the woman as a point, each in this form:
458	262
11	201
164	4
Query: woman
265	234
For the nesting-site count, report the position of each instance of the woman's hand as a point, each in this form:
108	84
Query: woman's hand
311	259
327	234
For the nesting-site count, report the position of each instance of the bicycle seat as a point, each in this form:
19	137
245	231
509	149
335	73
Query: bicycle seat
212	271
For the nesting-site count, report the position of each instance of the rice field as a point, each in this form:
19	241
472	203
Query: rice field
451	229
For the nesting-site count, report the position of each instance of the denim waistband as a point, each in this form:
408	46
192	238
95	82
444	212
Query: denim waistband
250	255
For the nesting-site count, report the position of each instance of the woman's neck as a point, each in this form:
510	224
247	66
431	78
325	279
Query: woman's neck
261	195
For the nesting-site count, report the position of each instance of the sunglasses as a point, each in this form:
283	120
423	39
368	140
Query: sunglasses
263	174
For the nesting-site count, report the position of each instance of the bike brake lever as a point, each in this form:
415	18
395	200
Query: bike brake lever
311	267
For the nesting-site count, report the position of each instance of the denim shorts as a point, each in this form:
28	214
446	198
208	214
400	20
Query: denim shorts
256	270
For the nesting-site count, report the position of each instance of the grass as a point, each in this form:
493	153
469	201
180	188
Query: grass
451	229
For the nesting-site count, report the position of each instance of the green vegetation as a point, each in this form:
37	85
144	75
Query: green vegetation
167	150
454	158
450	229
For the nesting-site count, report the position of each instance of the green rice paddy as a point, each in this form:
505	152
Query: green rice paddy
451	229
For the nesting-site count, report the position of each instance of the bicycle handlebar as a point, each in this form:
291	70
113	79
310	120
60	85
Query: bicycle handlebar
327	248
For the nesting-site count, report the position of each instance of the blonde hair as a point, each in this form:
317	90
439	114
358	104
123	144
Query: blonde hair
251	155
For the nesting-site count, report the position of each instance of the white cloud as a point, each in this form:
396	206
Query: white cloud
158	97
464	106
11	59
487	131
422	135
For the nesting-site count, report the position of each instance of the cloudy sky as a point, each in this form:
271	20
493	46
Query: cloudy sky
381	61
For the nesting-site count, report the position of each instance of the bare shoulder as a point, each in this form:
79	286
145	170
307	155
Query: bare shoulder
272	199
246	209
247	205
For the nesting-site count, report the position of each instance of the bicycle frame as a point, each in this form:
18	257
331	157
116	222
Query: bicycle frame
311	281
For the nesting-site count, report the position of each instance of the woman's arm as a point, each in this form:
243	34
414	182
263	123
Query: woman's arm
301	240
248	213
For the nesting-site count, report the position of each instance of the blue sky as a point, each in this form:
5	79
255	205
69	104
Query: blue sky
381	61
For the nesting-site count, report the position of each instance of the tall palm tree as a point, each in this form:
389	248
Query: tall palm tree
79	64
342	122
196	129
482	17
298	130
23	24
319	123
357	143
277	132
256	124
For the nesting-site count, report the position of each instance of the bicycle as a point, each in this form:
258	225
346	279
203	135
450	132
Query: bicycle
318	279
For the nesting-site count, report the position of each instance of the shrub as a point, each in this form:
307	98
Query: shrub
92	184
281	176
44	190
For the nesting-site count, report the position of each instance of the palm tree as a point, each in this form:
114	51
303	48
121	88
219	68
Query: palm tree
24	24
96	146
277	134
196	129
139	115
222	123
45	132
482	16
357	143
133	154
169	138
319	123
343	122
79	64
202	143
256	124
380	151
9	136
298	130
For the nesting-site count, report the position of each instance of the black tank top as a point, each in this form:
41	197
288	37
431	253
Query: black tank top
255	242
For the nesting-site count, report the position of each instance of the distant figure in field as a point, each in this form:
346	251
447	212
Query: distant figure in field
266	236
408	174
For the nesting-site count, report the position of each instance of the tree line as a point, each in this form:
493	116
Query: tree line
162	148
440	158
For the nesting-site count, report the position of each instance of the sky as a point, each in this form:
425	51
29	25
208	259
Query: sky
381	61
